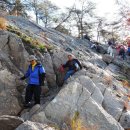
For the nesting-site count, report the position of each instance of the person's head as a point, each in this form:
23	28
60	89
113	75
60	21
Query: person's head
70	57
121	46
32	59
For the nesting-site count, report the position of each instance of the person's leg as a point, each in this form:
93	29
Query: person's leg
111	52
37	94
28	94
68	74
123	55
108	50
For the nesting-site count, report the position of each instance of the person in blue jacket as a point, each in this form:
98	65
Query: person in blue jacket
36	76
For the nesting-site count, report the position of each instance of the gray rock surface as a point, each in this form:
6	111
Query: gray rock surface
59	57
113	68
9	96
75	97
107	58
84	91
28	125
13	58
48	65
97	96
102	87
10	122
113	105
125	120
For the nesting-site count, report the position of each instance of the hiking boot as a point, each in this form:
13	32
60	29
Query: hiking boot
27	104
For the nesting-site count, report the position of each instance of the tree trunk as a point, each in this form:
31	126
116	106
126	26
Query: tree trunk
35	10
81	27
46	22
36	17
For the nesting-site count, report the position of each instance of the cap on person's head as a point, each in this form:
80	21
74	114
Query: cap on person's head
70	55
31	58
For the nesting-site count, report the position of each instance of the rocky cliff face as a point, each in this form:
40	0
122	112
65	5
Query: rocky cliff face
91	99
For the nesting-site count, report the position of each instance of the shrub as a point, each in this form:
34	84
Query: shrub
77	124
42	48
108	80
3	23
125	83
35	43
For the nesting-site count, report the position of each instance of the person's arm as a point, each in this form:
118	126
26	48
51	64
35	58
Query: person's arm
42	75
79	63
27	74
65	65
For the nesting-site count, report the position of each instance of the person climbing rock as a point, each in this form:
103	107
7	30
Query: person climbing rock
36	74
122	52
73	66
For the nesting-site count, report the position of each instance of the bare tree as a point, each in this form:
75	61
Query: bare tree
18	8
33	5
82	14
47	12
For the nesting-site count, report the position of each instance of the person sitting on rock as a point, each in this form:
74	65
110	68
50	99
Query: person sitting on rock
73	66
36	75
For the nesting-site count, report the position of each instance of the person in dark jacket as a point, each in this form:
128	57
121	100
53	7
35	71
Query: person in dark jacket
73	66
122	52
36	77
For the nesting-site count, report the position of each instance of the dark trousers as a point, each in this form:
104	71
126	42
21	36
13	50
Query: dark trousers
33	90
123	55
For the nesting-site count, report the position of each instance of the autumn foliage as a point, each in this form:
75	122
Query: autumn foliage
3	23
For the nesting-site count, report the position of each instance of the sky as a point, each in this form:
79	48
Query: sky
104	8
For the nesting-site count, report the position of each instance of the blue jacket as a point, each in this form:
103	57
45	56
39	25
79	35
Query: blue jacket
35	75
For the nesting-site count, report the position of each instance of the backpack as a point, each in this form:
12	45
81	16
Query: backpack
77	64
41	77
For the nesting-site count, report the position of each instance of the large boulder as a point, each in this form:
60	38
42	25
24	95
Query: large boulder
9	95
59	57
40	118
75	98
10	122
99	62
101	49
113	105
107	58
113	68
48	65
125	120
90	67
28	125
27	115
102	87
13	47
12	60
92	88
97	96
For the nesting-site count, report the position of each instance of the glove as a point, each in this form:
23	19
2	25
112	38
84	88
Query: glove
61	68
22	78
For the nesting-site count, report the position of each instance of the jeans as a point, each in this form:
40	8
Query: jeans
33	90
68	74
